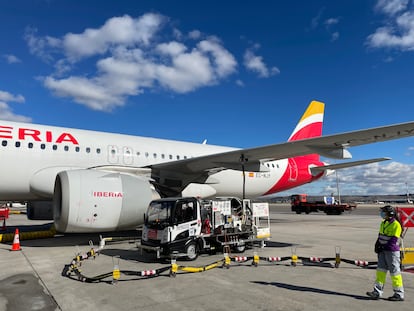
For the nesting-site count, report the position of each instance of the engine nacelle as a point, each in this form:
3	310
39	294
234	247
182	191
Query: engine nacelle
97	201
39	210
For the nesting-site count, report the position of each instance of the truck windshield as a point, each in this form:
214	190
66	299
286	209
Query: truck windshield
159	212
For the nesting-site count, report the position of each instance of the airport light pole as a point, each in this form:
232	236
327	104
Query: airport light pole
408	193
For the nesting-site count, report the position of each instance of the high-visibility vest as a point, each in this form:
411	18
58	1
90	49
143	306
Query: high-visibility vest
389	230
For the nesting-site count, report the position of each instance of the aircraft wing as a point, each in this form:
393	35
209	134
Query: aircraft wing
334	146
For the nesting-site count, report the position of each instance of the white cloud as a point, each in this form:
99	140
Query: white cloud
397	31
391	7
375	178
239	83
6	112
329	24
334	36
11	59
171	48
316	20
42	47
187	72
371	179
125	31
195	34
256	64
331	21
224	63
131	55
8	97
89	92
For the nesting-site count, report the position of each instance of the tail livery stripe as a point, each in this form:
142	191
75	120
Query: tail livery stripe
297	171
310	125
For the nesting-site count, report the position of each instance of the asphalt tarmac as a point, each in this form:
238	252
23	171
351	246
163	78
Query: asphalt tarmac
31	279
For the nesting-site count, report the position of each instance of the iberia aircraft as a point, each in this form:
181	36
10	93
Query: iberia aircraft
104	182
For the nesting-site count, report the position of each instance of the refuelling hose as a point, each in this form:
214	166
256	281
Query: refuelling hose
31	235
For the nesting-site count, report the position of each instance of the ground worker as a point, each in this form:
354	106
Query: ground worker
388	249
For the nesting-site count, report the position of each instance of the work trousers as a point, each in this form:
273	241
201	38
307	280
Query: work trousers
389	261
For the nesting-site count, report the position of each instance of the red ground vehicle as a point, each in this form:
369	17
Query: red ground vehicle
300	204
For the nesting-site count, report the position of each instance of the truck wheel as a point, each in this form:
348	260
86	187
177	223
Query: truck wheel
240	247
191	251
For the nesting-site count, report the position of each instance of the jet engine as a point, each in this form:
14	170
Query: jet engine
39	210
97	201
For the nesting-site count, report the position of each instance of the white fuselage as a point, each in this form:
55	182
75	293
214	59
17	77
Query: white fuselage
31	156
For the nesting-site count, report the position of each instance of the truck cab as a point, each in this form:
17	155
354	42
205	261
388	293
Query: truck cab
173	220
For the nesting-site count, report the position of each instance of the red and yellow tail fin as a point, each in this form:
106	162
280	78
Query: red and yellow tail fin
310	125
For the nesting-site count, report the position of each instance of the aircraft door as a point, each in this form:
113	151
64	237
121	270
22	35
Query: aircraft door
127	155
113	154
293	169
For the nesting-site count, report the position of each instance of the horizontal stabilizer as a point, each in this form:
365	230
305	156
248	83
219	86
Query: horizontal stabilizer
318	169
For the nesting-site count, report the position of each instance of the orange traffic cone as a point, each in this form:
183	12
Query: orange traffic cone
16	241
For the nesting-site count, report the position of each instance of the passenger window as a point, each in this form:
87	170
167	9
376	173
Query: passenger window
30	145
17	144
98	150
4	143
42	146
77	149
54	147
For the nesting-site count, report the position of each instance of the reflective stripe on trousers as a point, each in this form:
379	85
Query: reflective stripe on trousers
389	261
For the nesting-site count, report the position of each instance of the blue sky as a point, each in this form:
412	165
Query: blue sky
237	73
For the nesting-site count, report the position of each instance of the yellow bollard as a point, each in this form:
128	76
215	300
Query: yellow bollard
174	268
256	259
337	256
116	273
227	261
294	260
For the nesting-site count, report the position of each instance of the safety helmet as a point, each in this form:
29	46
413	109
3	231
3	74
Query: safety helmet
389	210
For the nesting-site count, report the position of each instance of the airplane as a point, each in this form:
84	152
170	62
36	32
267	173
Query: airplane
98	181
